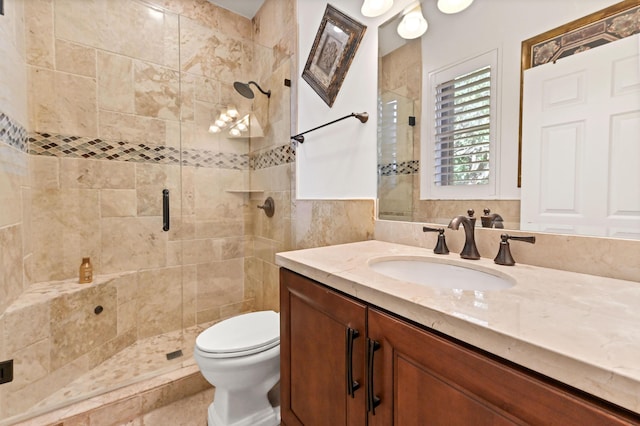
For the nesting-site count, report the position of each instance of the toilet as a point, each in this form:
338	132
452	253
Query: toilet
240	356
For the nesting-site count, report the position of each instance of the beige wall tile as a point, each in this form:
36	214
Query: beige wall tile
79	24
201	251
62	103
117	202
189	295
26	326
117	413
115	83
13	87
111	347
212	53
116	29
39	33
66	228
157	91
151	180
44	172
13	173
132	128
143	234
10	265
220	283
75	59
212	201
191	410
320	223
17	401
96	174
30	364
281	11
76	329
174	392
159	301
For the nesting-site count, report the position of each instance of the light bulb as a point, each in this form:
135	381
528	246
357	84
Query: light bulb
214	129
453	6
234	132
241	126
220	123
373	8
225	117
413	24
232	112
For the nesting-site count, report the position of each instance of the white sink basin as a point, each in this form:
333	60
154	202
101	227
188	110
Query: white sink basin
435	273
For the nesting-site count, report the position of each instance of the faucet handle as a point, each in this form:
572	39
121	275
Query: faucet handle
504	253
471	212
441	245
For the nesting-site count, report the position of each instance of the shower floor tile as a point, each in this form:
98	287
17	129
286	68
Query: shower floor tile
142	360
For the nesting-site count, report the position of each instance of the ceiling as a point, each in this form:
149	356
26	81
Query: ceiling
246	8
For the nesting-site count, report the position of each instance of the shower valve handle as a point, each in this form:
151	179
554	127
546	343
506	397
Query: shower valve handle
269	207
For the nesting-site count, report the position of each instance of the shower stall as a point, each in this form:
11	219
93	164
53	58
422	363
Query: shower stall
119	164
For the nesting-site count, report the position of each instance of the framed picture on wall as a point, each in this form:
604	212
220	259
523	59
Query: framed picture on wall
332	52
1	7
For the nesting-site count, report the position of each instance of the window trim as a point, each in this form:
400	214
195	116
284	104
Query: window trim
428	189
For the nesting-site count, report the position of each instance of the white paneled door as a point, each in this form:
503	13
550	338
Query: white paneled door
581	143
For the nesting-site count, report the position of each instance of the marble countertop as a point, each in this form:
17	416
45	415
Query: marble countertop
582	330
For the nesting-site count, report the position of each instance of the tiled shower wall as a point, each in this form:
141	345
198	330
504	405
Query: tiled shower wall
113	92
108	106
14	191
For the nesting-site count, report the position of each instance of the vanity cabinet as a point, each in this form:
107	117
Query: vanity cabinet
393	372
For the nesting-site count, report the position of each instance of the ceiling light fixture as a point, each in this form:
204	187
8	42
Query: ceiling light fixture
413	24
453	6
373	8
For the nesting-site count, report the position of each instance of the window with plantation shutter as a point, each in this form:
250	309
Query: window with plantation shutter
463	115
461	147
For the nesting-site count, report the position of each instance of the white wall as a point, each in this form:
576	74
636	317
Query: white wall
339	161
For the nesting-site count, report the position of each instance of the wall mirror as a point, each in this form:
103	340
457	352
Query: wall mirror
404	70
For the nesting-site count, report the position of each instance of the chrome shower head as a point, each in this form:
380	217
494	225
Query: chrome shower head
245	90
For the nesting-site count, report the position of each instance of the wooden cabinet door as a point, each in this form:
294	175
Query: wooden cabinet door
314	354
424	379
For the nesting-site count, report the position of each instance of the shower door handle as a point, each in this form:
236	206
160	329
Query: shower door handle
165	210
352	385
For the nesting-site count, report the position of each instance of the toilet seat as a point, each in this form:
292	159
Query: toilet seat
241	335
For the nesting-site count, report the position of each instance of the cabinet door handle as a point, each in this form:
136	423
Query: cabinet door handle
352	385
372	400
165	210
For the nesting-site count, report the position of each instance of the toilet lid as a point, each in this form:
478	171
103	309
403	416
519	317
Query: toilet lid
247	333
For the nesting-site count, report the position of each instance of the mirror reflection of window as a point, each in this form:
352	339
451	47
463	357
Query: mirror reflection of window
462	134
459	157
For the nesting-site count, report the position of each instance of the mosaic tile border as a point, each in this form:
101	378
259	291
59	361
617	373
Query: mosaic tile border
55	145
100	149
12	133
410	167
277	156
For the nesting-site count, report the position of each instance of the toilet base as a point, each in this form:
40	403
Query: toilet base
266	417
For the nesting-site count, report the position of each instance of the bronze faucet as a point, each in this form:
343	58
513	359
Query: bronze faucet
504	253
441	245
469	251
492	220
